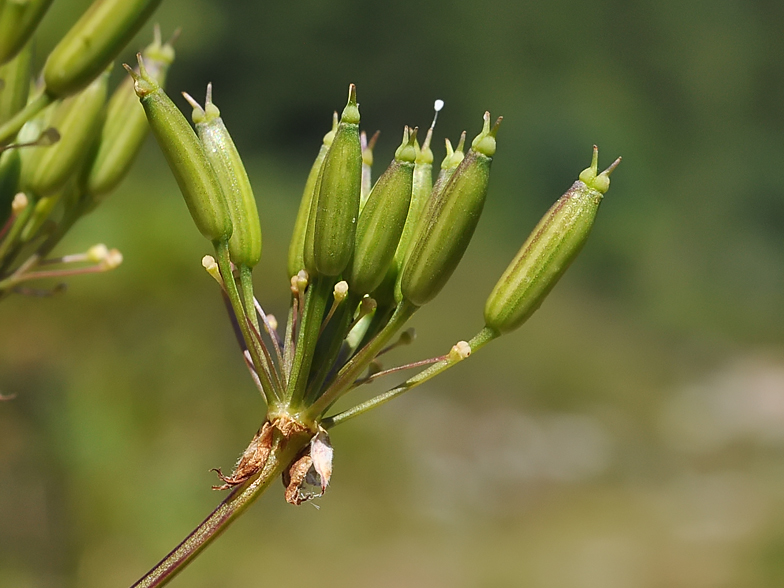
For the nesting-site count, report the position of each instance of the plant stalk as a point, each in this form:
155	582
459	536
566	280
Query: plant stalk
281	455
262	367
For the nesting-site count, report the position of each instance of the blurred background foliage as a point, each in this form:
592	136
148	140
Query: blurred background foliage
630	435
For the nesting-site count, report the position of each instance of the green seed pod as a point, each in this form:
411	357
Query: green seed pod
421	189
18	21
125	125
245	241
337	203
77	119
443	233
15	76
388	291
426	206
93	42
296	260
382	219
548	251
186	158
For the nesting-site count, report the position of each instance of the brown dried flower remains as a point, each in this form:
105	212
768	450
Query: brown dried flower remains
255	456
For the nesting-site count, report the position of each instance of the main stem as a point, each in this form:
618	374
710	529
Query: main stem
282	453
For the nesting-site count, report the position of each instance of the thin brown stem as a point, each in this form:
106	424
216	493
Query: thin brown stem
281	455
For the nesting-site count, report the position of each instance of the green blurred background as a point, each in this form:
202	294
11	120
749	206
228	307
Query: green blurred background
630	435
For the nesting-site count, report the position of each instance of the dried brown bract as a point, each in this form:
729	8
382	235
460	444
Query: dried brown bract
255	456
308	477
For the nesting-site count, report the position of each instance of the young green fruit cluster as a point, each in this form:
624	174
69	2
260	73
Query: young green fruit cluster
67	146
363	258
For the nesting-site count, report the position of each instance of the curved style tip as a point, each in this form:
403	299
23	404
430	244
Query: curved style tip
129	69
449	149
352	94
494	131
461	142
143	83
174	36
197	115
428	138
591	177
156	35
372	143
612	167
192	101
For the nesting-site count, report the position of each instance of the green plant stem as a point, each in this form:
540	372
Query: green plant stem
260	363
288	343
479	340
11	127
316	298
13	234
354	368
281	455
329	347
246	285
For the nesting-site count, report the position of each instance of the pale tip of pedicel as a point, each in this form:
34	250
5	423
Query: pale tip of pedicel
272	322
156	34
112	260
208	262
460	351
341	290
97	253
438	105
19	203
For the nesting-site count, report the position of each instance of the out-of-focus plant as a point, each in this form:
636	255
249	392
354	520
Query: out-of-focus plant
362	261
65	143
